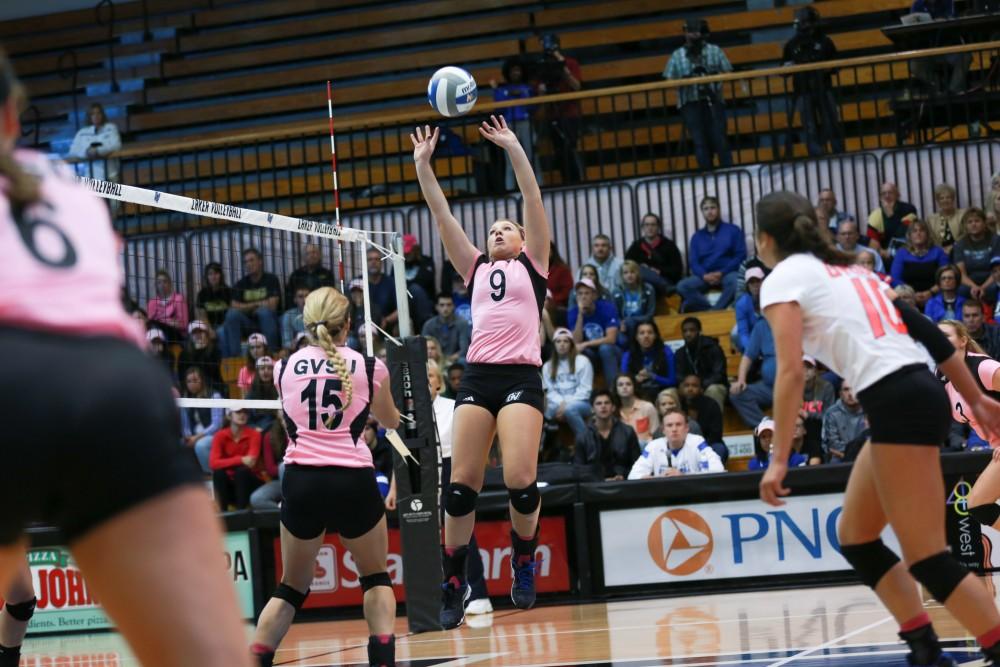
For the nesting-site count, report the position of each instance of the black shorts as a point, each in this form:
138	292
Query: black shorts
331	498
907	407
492	386
91	429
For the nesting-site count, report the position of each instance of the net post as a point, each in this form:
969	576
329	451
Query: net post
402	297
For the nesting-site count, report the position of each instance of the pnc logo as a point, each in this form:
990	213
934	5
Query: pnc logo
680	542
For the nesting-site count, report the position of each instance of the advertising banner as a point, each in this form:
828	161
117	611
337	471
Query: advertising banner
335	583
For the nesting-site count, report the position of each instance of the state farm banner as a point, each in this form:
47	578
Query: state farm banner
335	583
733	539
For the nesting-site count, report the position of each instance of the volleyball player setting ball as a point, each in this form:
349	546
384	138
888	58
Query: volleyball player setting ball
817	302
104	461
501	391
327	391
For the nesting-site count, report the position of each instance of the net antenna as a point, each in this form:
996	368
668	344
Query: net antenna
336	186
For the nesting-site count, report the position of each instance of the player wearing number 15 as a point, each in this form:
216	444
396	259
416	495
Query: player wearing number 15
501	391
327	391
817	302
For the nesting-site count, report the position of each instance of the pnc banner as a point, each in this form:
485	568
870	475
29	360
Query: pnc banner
335	583
733	539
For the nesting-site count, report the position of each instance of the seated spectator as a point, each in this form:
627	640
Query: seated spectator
658	256
747	309
568	379
698	406
235	461
916	262
454	380
419	281
635	301
589	271
200	352
608	265
762	437
272	450
867	260
94	143
381	290
156	345
168	310
291	320
594	323
301	341
256	301
702	356
434	351
751	262
991	201
678	452
946	222
311	275
560	280
199	425
639	414
463	300
667	399
213	298
987	336
906	294
972	255
714	256
452	332
750	400
356	292
262	389
818	396
828	202
842	423
609	446
805	444
848	240
256	349
650	361
887	223
947	303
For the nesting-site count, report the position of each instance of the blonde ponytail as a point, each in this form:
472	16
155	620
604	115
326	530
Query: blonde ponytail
22	189
325	316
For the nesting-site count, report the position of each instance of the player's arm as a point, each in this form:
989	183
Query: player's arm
384	408
786	326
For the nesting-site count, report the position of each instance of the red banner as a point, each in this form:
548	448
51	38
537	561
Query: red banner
335	583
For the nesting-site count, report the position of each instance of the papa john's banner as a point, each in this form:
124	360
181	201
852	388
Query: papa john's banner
335	582
733	539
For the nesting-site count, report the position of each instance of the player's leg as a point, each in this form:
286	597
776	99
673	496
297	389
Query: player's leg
19	597
159	571
983	497
369	552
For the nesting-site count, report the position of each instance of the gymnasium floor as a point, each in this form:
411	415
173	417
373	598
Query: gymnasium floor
803	627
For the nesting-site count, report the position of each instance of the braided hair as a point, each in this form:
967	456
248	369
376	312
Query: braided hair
326	315
790	219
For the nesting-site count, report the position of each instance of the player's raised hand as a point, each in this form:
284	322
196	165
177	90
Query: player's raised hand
496	130
424	143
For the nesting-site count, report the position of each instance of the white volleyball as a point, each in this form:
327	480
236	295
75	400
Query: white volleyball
452	91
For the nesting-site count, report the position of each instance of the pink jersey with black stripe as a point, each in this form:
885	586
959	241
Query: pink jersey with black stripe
310	390
507	300
982	369
60	260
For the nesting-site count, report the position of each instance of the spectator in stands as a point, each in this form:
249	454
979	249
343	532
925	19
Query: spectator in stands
382	290
747	309
639	414
991	200
848	241
168	310
813	96
199	425
434	351
916	263
609	446
904	292
947	303
272	449
452	332
256	349
650	361
867	260
678	452
419	280
972	255
213	298
201	353
946	221
706	411
235	462
827	201
514	87
714	256
797	456
568	379
94	143
301	341
256	300
702	356
751	262
262	389
751	399
608	265
658	256
356	292
887	223
702	105
986	335
560	281
635	301
667	399
589	271
562	75
312	275
594	323
842	424
463	300
818	396
455	373
156	345
291	319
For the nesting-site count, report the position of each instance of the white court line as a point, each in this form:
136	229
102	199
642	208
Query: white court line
832	642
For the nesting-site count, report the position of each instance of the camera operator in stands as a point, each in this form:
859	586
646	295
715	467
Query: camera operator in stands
555	72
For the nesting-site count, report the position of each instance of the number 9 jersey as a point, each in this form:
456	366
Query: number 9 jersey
320	431
848	321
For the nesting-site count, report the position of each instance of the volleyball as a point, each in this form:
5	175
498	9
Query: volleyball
452	91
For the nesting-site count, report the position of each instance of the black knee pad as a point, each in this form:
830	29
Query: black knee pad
985	514
22	611
940	574
525	500
460	500
370	581
290	595
871	560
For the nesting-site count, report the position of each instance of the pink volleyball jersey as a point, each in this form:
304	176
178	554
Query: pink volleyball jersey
310	390
507	300
982	369
60	260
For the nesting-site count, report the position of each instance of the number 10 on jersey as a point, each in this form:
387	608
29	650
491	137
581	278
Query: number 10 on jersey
878	308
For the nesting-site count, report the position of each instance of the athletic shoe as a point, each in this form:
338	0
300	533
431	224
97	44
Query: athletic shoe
479	606
944	660
381	654
925	648
522	591
454	595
